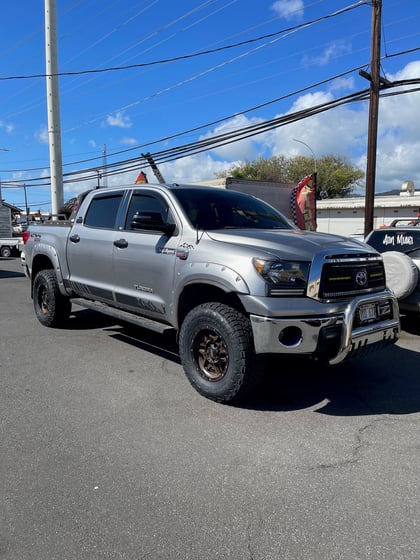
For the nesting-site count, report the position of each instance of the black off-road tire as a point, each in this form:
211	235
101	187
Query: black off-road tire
52	309
217	353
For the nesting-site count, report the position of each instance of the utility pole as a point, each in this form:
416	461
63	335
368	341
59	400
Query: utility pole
375	82
53	107
148	157
105	179
26	202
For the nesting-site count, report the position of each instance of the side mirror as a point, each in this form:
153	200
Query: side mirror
149	222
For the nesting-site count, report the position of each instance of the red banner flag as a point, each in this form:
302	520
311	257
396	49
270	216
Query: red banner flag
141	178
303	203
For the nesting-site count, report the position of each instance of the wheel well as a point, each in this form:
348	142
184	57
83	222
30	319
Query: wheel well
40	262
196	294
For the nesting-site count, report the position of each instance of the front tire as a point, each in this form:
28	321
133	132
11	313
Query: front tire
216	350
52	309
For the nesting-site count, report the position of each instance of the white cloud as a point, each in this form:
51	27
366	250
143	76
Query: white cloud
342	84
42	135
341	131
19	176
398	142
410	71
9	128
201	167
119	120
243	150
288	9
92	144
126	141
337	131
332	51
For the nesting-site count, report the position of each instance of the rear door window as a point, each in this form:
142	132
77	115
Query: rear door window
102	211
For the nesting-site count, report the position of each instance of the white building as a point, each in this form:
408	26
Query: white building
346	216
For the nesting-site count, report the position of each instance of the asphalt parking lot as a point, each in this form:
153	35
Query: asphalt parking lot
108	453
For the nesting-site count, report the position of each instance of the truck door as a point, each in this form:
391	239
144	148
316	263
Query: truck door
90	248
144	259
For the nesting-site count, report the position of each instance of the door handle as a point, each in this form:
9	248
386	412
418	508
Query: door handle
74	238
121	243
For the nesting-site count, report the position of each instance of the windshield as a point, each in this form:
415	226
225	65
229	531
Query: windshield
217	208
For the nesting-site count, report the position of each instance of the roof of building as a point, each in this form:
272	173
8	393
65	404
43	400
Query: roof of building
396	201
13	209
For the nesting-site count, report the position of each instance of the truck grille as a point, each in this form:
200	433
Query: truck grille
349	277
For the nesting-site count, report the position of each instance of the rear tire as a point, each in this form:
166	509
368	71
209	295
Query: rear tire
52	309
216	350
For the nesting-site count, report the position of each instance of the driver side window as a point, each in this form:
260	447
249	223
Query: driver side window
146	207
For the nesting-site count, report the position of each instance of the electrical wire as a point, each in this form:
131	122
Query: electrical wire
203	126
187	56
217	141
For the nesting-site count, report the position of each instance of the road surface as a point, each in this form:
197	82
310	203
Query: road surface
108	453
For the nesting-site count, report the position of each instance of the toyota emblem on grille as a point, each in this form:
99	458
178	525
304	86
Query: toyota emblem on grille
361	278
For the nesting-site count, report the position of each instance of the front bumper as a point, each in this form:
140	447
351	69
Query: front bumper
334	336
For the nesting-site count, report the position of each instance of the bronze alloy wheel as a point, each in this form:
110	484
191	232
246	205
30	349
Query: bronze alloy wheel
211	354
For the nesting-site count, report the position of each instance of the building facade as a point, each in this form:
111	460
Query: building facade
346	216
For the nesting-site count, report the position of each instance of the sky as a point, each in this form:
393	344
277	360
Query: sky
154	76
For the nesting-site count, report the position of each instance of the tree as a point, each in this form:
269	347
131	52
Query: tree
336	177
274	169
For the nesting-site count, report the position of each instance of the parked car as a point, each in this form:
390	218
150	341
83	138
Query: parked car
20	225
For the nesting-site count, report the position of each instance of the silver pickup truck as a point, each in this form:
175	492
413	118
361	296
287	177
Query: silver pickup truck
232	276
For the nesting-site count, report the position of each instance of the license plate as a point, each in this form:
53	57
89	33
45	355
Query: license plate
367	313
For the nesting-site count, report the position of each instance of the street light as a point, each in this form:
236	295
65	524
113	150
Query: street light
310	149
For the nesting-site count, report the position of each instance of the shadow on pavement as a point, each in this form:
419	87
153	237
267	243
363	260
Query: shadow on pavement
386	382
10	274
411	323
163	345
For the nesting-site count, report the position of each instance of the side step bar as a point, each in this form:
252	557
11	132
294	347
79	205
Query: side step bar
121	315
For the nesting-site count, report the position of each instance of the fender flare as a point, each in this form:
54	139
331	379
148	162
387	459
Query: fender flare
44	250
213	274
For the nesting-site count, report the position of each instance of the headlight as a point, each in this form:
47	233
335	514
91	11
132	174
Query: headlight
283	277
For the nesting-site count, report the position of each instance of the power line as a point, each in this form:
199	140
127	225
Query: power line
194	148
211	123
200	127
188	56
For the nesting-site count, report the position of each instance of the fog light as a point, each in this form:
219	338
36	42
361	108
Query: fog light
290	336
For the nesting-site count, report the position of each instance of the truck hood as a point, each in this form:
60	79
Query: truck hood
296	244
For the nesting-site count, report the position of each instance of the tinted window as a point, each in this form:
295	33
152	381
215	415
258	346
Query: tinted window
151	208
217	208
102	211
